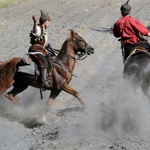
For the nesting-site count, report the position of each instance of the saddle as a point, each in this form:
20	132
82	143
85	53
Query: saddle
26	65
137	51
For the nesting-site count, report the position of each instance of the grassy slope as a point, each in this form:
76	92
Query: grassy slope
6	3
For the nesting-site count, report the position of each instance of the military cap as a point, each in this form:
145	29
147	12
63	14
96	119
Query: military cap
125	7
44	17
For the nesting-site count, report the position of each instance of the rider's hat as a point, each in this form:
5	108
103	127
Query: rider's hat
44	17
125	8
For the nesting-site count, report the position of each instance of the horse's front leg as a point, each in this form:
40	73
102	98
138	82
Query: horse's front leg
71	91
52	97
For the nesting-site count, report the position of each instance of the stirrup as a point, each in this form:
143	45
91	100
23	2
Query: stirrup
46	84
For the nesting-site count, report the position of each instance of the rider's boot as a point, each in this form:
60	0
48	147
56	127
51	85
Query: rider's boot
45	83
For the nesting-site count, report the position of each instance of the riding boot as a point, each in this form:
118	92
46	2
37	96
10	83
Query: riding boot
45	82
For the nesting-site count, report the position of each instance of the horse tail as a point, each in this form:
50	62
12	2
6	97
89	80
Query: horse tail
7	72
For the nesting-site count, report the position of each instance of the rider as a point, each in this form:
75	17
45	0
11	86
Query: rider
37	51
129	30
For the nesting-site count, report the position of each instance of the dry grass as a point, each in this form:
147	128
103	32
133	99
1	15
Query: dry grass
6	3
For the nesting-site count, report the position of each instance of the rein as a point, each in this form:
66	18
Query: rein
69	56
80	54
57	51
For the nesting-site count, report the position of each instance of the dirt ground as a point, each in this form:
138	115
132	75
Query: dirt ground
117	118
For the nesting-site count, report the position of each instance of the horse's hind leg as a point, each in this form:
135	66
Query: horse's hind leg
71	91
17	89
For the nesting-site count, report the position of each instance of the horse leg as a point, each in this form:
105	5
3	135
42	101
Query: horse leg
13	99
67	88
52	97
18	88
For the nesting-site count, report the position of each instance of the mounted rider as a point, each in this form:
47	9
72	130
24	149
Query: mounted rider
130	30
37	51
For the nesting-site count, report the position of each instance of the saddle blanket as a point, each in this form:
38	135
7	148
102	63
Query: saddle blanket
29	69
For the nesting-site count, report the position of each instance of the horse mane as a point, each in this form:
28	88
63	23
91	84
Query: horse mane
67	40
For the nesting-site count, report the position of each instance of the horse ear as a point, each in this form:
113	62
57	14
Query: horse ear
72	32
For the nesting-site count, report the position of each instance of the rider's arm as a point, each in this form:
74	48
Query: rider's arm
140	27
34	25
36	29
116	30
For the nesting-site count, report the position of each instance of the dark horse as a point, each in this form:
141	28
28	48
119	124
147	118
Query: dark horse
74	48
137	70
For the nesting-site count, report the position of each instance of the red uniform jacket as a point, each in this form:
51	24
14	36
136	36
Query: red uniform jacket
128	28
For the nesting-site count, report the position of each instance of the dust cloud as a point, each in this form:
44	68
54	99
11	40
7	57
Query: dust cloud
125	114
33	106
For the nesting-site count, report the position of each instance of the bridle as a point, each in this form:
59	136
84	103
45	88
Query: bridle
79	54
84	49
82	54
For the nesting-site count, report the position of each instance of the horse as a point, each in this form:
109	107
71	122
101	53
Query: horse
137	70
74	48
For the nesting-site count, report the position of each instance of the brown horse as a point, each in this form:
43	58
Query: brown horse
137	70
74	48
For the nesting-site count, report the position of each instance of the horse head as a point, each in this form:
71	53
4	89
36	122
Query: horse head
79	46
